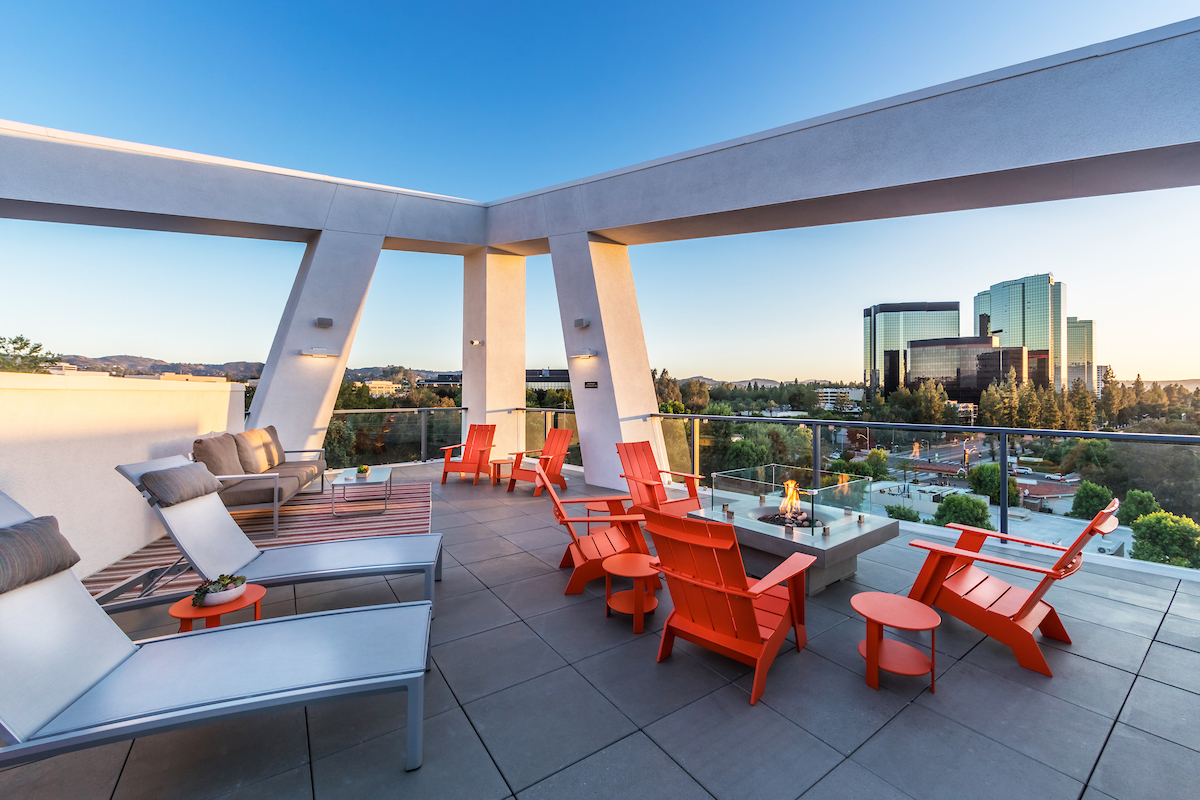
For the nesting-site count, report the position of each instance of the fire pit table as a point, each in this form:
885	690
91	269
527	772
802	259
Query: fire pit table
832	524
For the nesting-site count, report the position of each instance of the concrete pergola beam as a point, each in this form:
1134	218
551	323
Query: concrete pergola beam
1115	117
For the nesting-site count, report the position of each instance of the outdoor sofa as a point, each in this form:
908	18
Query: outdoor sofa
255	471
73	679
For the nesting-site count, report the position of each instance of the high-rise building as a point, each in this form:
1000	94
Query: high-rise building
887	330
964	366
1081	352
1027	312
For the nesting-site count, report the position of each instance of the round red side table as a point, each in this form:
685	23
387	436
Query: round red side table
895	611
638	600
185	612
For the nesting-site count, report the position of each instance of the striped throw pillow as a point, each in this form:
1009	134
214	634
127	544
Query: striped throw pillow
30	551
179	484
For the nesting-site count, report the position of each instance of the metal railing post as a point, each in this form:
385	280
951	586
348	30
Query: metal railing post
547	421
424	435
1003	483
816	432
695	423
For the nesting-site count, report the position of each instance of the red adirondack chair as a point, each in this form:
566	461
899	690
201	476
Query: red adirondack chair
645	481
716	606
550	459
616	533
476	452
950	581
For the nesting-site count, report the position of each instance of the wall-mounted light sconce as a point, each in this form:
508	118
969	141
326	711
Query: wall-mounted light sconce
582	322
476	342
319	352
324	322
584	354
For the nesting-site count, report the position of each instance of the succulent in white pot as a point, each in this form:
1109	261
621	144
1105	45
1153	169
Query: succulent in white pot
225	589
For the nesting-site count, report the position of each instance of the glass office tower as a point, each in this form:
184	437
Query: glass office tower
887	330
1081	352
964	366
1028	312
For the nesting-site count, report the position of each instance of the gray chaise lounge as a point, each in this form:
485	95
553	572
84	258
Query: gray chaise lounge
72	679
214	545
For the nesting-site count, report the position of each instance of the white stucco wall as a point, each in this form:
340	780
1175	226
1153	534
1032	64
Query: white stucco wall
62	436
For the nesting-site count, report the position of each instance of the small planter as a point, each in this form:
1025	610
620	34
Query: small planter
362	475
227	596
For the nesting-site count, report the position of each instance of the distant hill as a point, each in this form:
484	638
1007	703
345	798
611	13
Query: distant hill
139	365
766	383
237	370
1189	384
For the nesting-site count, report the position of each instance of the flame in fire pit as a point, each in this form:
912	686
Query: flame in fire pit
843	484
791	498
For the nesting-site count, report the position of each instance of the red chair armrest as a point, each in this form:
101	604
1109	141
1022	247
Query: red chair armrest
944	550
958	526
642	481
793	566
524	452
621	497
453	446
593	520
683	474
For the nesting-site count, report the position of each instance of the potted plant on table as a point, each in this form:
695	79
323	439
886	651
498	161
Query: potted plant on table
363	471
225	589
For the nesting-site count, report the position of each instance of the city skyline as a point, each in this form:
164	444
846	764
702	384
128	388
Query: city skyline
392	117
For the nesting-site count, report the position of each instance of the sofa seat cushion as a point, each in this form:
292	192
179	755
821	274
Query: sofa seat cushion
179	484
258	491
219	454
32	550
304	471
252	452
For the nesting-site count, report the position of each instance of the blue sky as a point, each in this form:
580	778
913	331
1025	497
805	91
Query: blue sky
488	100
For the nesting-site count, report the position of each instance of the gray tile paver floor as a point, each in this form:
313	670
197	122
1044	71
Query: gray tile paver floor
538	695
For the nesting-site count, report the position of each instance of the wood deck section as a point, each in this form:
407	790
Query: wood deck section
304	519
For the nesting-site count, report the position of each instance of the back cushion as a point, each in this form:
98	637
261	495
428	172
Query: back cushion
219	454
252	452
32	550
274	447
172	486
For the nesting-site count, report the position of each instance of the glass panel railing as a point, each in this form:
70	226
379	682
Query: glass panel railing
394	436
445	428
677	434
566	419
537	420
726	445
1053	481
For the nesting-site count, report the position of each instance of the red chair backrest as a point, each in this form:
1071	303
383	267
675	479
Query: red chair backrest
479	442
705	574
560	513
554	451
1103	523
637	460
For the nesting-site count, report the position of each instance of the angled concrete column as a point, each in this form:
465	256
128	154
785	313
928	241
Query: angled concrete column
297	392
494	369
595	282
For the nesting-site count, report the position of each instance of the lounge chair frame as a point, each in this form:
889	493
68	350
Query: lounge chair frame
74	680
213	545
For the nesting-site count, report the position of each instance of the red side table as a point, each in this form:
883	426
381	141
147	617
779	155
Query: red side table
638	600
185	612
895	611
496	464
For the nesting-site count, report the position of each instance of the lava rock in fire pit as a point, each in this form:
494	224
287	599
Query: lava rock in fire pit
800	519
